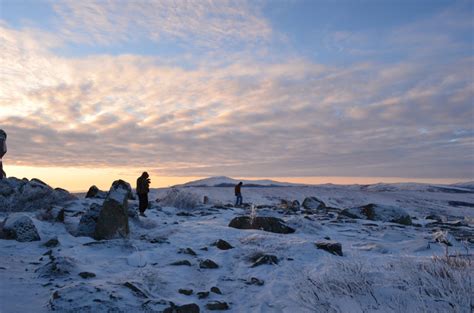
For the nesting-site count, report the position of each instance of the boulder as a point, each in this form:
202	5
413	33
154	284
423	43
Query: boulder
95	192
377	212
54	214
330	246
222	245
217	306
20	227
51	243
186	308
87	275
313	204
181	262
88	221
208	264
24	195
265	223
202	294
113	218
186	292
216	290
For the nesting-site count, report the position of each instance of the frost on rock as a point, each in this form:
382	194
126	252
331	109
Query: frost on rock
113	218
20	227
377	212
313	204
25	195
88	221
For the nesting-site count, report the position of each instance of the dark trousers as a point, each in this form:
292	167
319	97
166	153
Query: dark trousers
2	173
143	202
238	200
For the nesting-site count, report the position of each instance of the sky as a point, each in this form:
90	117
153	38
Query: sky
310	91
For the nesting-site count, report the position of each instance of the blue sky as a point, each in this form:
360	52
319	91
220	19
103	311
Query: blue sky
249	88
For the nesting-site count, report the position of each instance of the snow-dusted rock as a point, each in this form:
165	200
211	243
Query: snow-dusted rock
330	246
313	204
24	195
377	212
95	192
88	221
266	223
113	218
20	227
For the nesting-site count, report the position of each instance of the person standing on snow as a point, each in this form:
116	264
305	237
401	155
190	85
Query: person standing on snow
3	151
238	194
143	187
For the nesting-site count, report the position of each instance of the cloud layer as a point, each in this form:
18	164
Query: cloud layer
231	113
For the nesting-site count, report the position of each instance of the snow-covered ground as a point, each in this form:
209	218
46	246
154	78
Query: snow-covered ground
385	267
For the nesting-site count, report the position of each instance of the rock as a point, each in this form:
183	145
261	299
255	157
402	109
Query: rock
261	259
132	213
20	227
222	244
51	243
53	214
217	306
265	223
330	246
135	289
287	205
435	217
88	221
186	292
377	212
34	195
182	262
87	275
205	200
187	308
57	267
216	290
187	251
113	218
203	294
255	281
96	193
208	264
313	204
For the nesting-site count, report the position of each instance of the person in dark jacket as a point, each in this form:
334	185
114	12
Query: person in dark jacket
3	151
143	187
238	194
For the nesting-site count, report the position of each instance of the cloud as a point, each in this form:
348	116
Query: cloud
232	113
205	23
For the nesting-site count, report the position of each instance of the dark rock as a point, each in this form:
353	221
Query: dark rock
205	200
51	243
434	217
216	290
88	221
53	214
187	251
186	292
265	223
217	306
222	244
208	264
20	227
203	294
313	204
261	259
377	212
183	213
330	246
113	218
135	289
95	192
187	308
182	262
86	275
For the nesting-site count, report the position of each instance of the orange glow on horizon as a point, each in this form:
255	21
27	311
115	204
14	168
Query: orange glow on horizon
80	179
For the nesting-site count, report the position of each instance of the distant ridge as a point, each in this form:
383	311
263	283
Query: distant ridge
224	181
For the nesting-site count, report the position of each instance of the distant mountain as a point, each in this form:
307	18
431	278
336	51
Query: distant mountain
224	181
467	185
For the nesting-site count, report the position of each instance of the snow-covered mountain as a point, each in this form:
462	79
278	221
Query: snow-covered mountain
224	181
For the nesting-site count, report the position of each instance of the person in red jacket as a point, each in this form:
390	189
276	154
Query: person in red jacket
238	194
143	187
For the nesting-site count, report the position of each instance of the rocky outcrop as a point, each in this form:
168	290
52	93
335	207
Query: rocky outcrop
265	223
30	195
330	246
89	221
113	217
222	245
96	193
20	227
377	212
208	264
313	204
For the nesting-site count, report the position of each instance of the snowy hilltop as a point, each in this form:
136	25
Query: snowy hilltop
288	248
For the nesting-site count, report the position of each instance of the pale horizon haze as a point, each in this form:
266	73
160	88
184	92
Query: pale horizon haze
345	92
